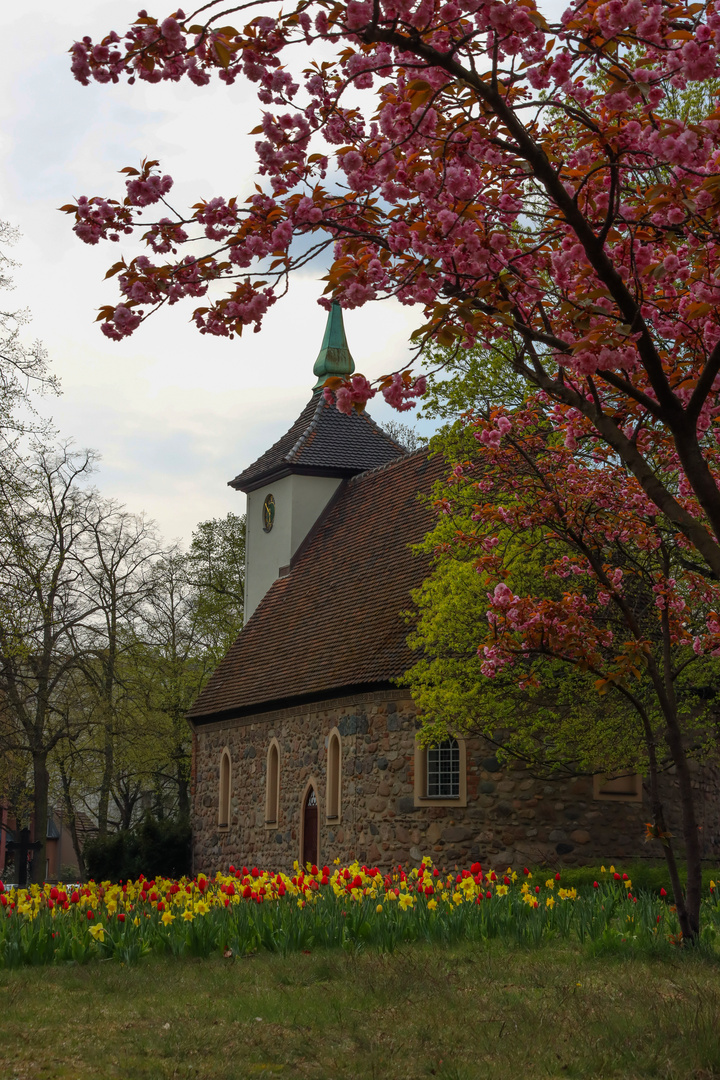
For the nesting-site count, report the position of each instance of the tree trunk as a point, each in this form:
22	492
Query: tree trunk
41	782
691	836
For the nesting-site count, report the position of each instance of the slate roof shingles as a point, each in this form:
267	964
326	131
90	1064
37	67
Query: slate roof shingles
323	439
336	620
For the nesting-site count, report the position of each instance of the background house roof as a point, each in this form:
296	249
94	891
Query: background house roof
336	620
322	441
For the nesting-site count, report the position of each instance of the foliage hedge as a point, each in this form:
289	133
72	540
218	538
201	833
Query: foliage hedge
646	875
155	847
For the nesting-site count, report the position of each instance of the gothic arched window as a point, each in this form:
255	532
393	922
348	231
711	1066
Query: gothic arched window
272	786
334	777
224	800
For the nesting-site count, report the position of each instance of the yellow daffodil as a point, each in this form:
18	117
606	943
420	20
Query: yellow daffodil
188	916
167	918
432	904
502	890
98	932
202	908
550	902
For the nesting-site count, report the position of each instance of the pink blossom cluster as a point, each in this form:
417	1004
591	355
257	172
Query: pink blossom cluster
587	523
402	393
350	395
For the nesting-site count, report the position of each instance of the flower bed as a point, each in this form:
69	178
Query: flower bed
243	910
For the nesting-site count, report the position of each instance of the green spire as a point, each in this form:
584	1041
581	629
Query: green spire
334	357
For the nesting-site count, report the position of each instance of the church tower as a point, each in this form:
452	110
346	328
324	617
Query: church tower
289	486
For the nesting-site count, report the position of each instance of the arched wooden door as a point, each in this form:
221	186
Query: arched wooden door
310	828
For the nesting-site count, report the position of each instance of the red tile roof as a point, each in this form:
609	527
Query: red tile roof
325	441
335	621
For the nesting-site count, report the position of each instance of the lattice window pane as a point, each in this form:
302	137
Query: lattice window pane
443	770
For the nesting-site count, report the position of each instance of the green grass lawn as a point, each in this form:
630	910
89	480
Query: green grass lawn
452	1013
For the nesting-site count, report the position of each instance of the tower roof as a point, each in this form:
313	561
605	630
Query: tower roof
322	442
334	357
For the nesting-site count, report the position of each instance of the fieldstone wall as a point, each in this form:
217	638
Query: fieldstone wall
512	818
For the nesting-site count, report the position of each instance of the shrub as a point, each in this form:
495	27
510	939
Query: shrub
645	875
153	848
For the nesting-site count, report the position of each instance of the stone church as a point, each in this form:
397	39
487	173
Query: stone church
303	745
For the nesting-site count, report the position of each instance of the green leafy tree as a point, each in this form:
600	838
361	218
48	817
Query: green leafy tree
216	572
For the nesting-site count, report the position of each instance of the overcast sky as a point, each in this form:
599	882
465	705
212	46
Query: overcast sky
173	413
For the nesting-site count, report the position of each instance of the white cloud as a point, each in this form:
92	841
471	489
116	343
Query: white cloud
174	414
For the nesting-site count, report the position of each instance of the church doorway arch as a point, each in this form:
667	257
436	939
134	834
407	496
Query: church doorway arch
310	830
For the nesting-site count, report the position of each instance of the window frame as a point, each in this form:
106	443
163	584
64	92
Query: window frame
421	778
633	792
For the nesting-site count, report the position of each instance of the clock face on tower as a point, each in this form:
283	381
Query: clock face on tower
268	513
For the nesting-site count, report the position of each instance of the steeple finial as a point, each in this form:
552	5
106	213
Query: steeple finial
334	357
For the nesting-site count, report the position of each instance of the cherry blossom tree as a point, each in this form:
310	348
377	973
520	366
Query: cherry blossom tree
527	185
517	180
571	576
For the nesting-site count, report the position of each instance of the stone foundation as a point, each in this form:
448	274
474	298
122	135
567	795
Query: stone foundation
511	817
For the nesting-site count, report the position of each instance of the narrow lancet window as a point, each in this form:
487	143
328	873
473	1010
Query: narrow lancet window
272	790
334	776
224	803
